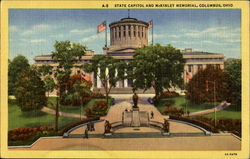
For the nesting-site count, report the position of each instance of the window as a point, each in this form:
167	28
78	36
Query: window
129	31
199	67
190	68
142	32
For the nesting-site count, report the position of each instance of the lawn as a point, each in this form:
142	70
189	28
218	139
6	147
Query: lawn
74	109
181	102
19	119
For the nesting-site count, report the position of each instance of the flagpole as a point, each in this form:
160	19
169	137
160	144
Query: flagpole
152	33
106	34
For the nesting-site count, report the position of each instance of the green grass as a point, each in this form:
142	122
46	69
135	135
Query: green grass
181	102
225	114
19	119
74	109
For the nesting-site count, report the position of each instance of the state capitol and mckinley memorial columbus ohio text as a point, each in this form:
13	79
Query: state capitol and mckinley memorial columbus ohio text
168	5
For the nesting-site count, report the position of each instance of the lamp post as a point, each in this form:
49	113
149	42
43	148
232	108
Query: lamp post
214	99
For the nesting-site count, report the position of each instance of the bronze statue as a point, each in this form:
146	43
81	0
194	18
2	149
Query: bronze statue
107	127
166	126
135	100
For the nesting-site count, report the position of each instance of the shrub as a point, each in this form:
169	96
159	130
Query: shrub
100	107
71	125
88	112
98	95
26	133
30	91
173	111
169	94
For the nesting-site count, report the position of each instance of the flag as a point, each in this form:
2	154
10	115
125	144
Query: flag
150	24
101	27
188	76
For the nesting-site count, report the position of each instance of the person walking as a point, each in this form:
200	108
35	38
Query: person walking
86	133
152	115
92	127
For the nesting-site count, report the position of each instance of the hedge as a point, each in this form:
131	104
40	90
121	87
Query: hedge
71	125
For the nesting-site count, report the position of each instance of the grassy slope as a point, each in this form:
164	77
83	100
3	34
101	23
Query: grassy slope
181	102
19	119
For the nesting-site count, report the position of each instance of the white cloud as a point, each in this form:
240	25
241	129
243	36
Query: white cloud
216	32
208	41
90	38
232	41
37	40
82	31
36	28
57	36
13	28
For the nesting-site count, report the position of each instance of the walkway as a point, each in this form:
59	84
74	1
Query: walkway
52	111
129	139
204	143
119	99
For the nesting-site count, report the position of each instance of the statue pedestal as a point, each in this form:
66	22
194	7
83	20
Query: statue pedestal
135	118
107	134
135	108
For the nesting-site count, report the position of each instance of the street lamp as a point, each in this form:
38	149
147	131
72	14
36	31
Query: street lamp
214	99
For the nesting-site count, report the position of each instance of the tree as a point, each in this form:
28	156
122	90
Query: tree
77	89
66	54
108	69
233	68
46	71
16	66
156	66
30	91
208	85
50	84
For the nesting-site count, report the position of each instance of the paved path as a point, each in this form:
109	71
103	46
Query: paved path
165	143
52	111
204	143
115	114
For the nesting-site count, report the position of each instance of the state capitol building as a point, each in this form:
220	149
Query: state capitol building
126	35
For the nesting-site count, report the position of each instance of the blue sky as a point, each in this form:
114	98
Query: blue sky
33	32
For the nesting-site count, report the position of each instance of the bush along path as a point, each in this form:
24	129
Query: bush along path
52	111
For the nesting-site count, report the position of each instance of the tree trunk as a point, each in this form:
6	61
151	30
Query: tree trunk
57	110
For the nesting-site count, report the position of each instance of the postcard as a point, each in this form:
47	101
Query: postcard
124	79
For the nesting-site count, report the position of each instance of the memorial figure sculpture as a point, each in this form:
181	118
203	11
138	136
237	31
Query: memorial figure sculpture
135	100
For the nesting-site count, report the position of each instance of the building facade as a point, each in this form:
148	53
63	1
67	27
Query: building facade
126	35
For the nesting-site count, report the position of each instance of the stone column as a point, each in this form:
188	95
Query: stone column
126	80
222	66
195	67
185	71
136	32
107	72
117	35
114	33
99	83
204	66
117	83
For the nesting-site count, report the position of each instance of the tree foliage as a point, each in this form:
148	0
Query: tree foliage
233	68
66	54
208	85
157	66
78	88
16	66
108	69
50	84
46	72
30	91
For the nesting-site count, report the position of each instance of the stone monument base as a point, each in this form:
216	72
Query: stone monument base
135	108
165	133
